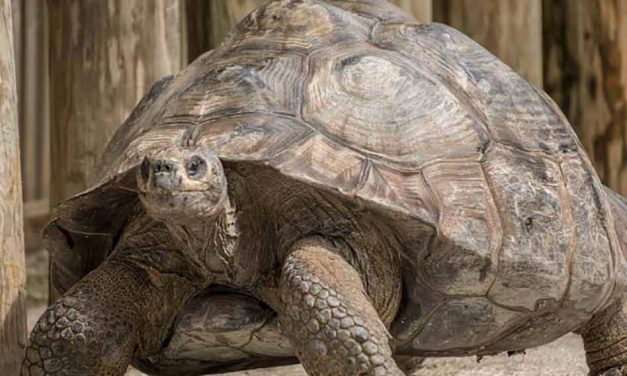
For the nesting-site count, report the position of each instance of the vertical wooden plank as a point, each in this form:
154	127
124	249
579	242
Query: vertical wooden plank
209	21
12	272
585	73
510	29
198	28
622	41
421	9
32	100
104	56
227	13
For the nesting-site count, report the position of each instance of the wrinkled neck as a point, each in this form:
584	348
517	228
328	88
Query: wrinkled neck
210	242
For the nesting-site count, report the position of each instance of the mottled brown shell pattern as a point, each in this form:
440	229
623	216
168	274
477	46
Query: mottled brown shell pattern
420	121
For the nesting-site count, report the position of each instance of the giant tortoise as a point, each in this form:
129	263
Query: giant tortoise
335	184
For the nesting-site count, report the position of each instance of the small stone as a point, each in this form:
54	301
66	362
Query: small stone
334	323
323	294
309	301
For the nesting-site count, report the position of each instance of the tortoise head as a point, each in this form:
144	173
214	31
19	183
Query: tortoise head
181	184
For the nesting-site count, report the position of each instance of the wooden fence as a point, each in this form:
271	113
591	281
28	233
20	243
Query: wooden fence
576	50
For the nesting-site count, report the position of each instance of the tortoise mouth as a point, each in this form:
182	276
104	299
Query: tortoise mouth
166	205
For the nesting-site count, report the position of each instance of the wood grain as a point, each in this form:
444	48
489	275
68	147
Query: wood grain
104	55
12	272
209	21
585	45
510	29
421	9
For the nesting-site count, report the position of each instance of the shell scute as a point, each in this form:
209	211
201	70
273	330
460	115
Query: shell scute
538	228
510	109
255	137
460	260
396	113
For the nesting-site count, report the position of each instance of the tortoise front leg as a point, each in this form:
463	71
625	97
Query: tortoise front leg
96	328
328	317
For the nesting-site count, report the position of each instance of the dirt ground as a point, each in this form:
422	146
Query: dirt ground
564	357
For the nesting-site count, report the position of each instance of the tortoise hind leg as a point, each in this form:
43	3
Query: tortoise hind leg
328	317
605	341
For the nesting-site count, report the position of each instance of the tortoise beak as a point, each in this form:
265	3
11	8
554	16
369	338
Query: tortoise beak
160	174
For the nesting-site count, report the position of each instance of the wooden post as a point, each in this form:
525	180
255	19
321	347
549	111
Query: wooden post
104	56
209	21
421	9
31	57
510	29
12	272
585	44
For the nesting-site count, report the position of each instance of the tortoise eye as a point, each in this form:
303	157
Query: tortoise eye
196	167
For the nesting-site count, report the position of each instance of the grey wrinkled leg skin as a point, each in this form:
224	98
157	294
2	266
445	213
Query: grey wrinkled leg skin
605	341
328	317
108	317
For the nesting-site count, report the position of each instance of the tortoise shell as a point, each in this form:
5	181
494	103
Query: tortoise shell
413	120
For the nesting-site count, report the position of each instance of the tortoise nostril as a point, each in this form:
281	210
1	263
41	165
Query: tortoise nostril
162	167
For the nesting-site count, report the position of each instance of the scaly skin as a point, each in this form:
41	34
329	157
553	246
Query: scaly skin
101	323
328	317
605	341
119	311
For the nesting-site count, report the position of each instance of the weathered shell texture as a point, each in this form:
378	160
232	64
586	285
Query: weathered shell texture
418	123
